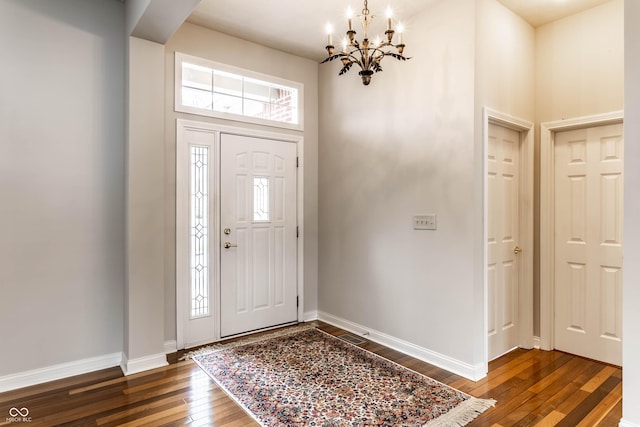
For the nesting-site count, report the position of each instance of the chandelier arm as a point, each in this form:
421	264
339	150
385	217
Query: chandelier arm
387	53
376	56
331	58
353	58
382	53
397	56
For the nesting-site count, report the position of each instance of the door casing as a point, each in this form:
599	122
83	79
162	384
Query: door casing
182	267
547	209
525	280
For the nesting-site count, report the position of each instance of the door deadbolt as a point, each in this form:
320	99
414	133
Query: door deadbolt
227	231
517	250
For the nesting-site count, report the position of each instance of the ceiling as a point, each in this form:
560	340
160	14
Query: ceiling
298	26
540	12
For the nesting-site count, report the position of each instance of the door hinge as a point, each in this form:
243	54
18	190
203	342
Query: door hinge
297	301
297	232
297	162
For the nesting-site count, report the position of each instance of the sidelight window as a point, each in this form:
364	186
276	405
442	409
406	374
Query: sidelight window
199	241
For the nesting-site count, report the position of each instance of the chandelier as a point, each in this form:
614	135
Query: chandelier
366	54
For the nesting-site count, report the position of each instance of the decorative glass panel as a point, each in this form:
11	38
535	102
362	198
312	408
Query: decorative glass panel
199	222
261	198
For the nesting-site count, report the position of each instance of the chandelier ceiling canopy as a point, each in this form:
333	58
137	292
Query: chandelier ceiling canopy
367	54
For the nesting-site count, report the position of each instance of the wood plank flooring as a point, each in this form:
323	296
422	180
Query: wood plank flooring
533	388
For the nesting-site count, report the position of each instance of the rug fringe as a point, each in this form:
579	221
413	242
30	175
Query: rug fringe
249	340
463	414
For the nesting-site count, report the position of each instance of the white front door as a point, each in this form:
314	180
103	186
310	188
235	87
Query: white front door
258	250
503	236
588	242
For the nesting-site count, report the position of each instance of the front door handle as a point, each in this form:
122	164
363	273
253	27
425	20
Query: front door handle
228	245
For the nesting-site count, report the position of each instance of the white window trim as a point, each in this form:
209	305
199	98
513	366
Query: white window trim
181	57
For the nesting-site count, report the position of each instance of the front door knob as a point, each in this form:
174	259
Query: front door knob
228	245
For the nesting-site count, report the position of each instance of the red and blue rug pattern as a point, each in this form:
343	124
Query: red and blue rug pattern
310	378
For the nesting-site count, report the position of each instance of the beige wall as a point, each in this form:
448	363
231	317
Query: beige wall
407	144
579	72
631	277
199	41
404	146
580	64
62	223
505	77
505	62
144	292
379	135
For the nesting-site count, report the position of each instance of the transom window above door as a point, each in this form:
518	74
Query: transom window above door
213	89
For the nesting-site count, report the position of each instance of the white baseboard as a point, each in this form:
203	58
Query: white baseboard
310	316
625	423
537	343
170	347
133	366
56	372
474	373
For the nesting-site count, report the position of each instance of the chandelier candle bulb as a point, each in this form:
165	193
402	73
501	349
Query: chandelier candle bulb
389	14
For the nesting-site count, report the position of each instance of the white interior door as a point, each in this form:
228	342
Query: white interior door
588	242
503	236
258	242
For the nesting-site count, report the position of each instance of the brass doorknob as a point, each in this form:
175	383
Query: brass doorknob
228	245
517	250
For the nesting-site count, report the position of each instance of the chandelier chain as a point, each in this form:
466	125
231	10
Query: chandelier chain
365	11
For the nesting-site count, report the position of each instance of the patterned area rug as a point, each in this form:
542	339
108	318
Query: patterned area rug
310	378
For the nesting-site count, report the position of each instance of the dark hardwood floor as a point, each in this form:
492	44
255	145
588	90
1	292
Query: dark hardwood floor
533	388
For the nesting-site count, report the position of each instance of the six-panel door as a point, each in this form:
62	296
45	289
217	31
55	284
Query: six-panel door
258	240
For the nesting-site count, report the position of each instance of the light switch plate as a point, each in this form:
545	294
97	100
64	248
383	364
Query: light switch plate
424	222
